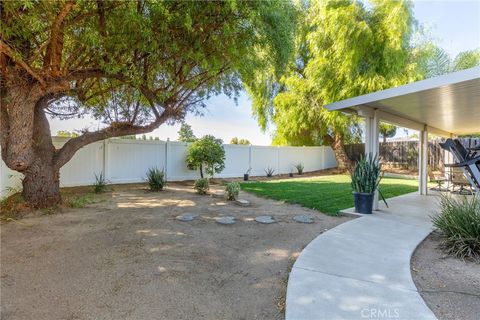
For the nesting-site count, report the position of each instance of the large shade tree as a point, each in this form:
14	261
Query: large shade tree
343	49
133	64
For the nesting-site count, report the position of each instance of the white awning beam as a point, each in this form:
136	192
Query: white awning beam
448	105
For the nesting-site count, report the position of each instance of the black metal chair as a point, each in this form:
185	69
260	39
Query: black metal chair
468	161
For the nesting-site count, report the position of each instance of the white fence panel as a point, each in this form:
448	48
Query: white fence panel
10	180
329	158
263	158
81	169
125	161
129	160
237	158
176	167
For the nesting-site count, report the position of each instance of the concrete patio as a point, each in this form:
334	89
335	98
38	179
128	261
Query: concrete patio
361	269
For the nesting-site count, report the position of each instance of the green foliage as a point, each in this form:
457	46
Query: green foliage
232	190
100	184
128	62
434	61
235	140
366	174
156	179
387	130
342	49
269	172
66	134
459	223
81	201
185	134
201	185
299	167
207	155
467	59
328	194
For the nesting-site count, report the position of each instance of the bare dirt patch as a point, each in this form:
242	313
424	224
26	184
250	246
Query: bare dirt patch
449	286
125	256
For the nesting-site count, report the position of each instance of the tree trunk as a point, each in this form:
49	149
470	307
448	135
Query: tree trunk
41	186
27	143
338	146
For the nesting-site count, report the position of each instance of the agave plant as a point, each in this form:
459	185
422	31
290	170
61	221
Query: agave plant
269	172
366	174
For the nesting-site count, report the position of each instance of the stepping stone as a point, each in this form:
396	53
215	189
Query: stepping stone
265	219
220	194
303	218
243	203
225	220
187	217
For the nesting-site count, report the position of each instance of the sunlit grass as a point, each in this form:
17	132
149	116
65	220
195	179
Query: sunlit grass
327	194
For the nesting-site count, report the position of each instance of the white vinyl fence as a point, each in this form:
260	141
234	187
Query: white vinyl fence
125	161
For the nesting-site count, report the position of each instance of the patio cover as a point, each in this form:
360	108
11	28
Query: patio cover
446	105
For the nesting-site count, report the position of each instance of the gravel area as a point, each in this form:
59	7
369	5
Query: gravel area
449	286
127	256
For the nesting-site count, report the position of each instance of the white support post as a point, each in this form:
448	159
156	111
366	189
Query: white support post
167	153
422	162
368	135
106	174
372	141
374	147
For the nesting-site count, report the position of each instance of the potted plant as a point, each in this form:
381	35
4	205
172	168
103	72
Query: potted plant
245	175
366	176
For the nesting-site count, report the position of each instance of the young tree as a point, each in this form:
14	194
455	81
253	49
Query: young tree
387	130
244	142
133	64
185	133
235	140
343	49
66	134
206	154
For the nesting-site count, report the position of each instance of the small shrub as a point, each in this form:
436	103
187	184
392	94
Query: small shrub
201	185
81	201
459	223
12	207
232	190
156	179
299	168
100	184
269	172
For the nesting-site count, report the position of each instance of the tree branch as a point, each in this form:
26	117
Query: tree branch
64	154
6	50
53	57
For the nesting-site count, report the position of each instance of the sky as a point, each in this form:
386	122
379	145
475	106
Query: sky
455	25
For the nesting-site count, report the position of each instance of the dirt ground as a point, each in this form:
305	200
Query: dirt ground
127	257
449	286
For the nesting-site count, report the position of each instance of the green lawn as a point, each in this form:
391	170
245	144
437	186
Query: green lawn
327	194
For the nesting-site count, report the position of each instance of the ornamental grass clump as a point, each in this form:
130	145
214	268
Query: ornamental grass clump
156	179
232	190
366	174
299	167
459	224
100	184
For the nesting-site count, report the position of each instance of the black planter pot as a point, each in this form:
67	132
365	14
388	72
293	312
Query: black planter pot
363	202
245	177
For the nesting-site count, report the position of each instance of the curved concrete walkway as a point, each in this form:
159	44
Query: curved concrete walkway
361	269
